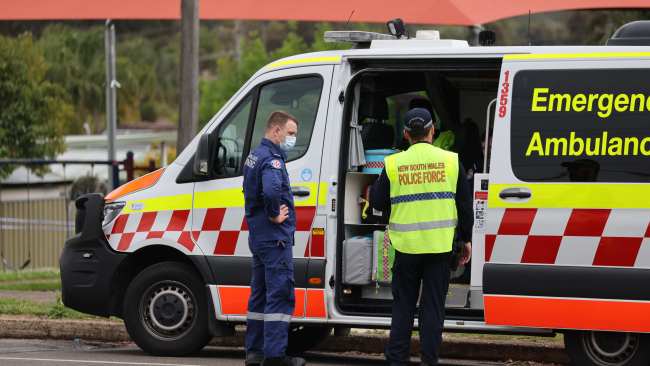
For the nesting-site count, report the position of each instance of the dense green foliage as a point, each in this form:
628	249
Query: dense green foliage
33	110
52	74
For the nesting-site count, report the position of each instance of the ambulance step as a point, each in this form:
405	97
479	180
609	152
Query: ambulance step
457	296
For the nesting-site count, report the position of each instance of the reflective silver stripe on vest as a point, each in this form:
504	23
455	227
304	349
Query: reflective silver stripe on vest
418	226
255	316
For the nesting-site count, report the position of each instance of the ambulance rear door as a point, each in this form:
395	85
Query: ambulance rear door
567	231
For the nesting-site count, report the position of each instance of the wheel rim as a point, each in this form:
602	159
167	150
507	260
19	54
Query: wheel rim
610	349
168	310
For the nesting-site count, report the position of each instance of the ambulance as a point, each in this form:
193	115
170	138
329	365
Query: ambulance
556	142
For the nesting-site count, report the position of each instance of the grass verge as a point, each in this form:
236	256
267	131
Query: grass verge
41	280
49	310
43	274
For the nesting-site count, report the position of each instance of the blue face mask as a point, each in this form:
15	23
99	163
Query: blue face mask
289	143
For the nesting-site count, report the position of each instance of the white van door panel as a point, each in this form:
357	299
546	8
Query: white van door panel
226	193
568	219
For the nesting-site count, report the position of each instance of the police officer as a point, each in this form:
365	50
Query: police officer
271	221
426	192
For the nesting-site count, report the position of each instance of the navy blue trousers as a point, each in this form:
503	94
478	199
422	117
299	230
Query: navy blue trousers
272	299
409	271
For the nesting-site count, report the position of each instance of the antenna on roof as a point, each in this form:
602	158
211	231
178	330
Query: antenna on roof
530	43
350	17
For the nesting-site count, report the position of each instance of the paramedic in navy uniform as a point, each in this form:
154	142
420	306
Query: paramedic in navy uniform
271	218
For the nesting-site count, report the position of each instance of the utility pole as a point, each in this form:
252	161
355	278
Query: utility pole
111	98
189	106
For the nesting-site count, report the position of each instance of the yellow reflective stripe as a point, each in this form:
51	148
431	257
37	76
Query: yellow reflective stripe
575	195
322	193
545	56
230	197
163	203
306	60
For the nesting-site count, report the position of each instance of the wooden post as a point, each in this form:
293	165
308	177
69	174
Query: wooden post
189	105
129	166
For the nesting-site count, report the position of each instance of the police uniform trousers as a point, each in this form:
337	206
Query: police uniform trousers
272	299
409	271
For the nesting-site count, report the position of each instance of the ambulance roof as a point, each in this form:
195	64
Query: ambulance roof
414	51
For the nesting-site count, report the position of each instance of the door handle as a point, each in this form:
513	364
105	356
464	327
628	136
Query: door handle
300	191
517	192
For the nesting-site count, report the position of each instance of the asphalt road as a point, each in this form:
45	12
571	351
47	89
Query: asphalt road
16	352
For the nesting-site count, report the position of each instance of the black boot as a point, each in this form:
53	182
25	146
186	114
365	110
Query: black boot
284	361
253	359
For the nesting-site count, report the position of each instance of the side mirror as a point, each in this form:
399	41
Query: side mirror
203	156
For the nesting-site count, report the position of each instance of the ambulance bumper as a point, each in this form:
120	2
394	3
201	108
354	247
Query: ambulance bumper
87	262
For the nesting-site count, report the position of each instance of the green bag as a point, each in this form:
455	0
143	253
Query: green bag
383	258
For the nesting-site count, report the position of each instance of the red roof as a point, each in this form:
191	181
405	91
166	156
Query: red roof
459	12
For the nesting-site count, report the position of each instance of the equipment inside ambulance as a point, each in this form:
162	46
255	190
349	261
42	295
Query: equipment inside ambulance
561	239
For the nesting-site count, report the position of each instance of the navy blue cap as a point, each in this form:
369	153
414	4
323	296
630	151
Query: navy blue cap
417	120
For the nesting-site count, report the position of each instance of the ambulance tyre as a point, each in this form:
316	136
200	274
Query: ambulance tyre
165	310
302	338
607	348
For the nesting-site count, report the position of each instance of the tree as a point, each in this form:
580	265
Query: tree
214	93
33	111
75	59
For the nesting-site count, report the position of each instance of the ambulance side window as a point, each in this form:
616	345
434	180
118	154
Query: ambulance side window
299	97
230	140
587	125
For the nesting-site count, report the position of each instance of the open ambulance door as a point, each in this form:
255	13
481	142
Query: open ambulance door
567	236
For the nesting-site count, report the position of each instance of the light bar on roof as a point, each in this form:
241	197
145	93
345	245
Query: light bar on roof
355	36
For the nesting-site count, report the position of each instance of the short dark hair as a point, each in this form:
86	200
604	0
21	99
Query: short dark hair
279	118
418	133
418	123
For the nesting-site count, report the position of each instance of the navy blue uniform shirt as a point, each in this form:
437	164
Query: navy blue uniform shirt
266	188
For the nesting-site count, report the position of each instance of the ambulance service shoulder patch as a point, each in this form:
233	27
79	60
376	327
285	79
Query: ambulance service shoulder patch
276	164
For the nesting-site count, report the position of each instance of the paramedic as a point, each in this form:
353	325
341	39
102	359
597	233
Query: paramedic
271	219
427	194
445	140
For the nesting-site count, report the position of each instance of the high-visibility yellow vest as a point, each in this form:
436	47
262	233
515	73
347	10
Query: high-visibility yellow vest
445	140
422	194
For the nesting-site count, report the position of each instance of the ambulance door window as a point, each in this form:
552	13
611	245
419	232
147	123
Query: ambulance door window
588	125
230	141
299	97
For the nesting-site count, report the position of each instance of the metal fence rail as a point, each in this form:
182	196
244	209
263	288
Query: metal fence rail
33	231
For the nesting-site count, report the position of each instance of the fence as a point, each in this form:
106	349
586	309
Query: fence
32	233
34	228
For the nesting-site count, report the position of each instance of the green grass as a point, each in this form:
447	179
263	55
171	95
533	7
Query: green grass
29	275
31	286
41	280
31	308
558	338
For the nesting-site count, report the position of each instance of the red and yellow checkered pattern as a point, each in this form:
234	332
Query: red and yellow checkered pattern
576	237
217	231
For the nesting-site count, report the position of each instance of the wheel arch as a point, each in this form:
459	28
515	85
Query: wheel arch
145	257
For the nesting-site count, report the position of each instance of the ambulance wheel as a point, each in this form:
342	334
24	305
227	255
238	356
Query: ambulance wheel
165	310
302	338
607	348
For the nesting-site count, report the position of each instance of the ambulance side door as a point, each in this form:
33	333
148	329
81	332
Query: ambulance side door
218	222
567	233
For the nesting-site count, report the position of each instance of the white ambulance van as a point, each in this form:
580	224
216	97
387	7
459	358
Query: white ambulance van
556	141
